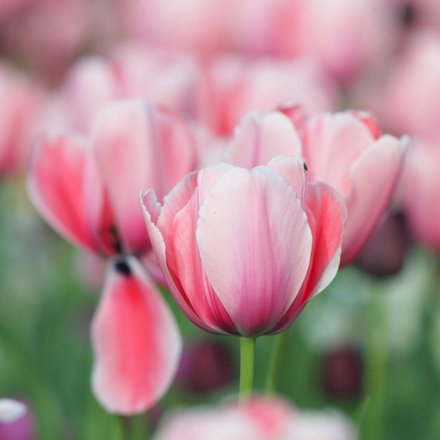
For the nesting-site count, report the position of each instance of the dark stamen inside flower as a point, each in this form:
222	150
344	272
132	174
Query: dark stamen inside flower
122	267
305	167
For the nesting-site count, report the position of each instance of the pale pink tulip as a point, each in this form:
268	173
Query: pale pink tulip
136	341
343	36
21	100
243	250
348	151
341	149
235	86
131	70
258	419
412	98
419	188
87	188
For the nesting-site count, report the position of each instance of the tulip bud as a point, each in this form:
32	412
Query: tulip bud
342	373
205	366
16	421
385	252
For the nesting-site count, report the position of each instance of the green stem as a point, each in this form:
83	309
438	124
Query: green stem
375	368
247	351
118	428
276	361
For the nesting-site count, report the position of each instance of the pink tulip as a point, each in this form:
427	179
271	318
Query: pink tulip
346	37
342	149
348	151
235	86
419	191
136	341
258	419
412	98
16	421
343	36
130	70
21	100
87	188
243	250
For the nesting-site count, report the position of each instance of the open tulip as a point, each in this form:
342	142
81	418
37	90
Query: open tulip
244	250
87	188
345	150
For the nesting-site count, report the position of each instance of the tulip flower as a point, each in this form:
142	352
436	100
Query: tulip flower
16	421
235	86
412	96
137	344
21	100
260	418
128	71
87	189
244	250
420	176
342	149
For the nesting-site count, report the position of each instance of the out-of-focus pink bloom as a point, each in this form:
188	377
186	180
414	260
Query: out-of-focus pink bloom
136	341
412	101
87	188
131	70
21	102
345	150
419	188
16	421
10	7
348	151
258	419
236	86
244	250
47	34
343	36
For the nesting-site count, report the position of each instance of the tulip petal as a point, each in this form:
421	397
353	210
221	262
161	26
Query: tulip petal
139	147
328	210
375	176
260	137
152	211
327	137
57	186
326	213
136	341
292	170
255	246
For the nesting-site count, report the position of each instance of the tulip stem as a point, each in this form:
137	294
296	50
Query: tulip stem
247	352
375	368
118	428
276	362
